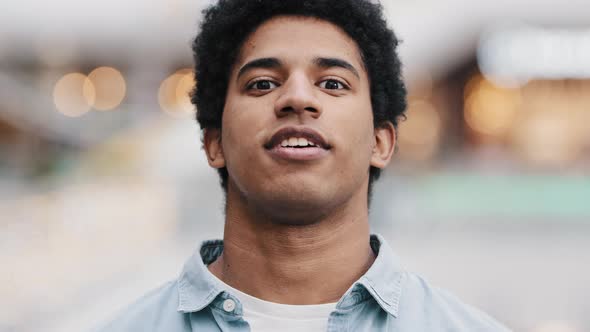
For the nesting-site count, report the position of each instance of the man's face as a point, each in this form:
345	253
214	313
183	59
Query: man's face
297	130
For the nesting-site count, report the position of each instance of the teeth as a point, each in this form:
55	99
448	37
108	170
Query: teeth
296	142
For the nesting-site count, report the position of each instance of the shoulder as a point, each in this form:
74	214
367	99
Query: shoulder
440	309
155	311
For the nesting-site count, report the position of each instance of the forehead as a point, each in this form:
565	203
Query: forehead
299	38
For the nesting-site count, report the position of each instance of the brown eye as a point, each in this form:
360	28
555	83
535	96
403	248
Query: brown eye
332	85
262	85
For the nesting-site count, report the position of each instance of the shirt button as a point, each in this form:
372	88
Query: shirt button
229	305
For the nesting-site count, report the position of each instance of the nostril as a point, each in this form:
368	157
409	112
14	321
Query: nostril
287	109
283	111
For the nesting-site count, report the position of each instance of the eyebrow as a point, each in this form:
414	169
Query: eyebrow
335	62
273	63
268	63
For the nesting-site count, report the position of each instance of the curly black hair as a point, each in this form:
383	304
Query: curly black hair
227	24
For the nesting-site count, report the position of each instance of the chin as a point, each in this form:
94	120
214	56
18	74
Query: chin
298	205
295	199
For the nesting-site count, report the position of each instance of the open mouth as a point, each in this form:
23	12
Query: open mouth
296	143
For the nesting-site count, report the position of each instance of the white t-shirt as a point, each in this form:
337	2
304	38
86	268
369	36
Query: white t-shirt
265	316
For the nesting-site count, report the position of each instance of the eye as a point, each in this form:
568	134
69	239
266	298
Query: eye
332	84
262	85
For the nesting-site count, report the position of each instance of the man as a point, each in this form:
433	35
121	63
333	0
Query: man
299	102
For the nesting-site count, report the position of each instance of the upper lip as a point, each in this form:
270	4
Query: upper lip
299	132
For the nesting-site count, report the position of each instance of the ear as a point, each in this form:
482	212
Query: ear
384	145
213	148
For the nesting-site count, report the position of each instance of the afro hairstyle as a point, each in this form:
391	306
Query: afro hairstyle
228	23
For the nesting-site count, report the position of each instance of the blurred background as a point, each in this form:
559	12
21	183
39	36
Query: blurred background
105	191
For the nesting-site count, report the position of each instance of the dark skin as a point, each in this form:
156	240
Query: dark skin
296	228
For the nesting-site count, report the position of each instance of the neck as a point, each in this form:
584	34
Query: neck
295	264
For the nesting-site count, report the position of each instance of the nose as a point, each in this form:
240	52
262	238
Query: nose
298	95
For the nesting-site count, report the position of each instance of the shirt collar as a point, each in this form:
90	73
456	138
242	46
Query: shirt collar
384	278
197	288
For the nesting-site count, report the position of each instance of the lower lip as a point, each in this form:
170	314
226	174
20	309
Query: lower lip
303	154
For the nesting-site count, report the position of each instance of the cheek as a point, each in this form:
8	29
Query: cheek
248	117
239	123
242	130
354	125
236	148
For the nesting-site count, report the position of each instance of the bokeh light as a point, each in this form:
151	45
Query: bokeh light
73	94
419	135
513	54
110	88
174	91
489	109
546	137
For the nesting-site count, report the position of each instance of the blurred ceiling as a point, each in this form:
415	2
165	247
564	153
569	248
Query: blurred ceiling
435	34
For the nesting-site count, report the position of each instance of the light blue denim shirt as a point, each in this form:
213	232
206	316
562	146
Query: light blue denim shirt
385	298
